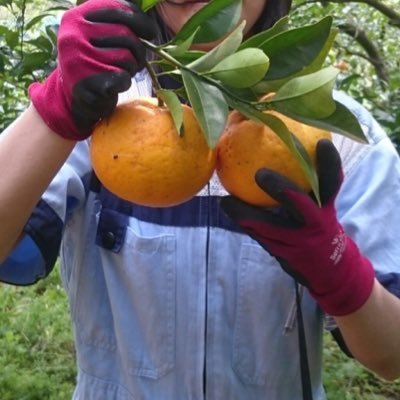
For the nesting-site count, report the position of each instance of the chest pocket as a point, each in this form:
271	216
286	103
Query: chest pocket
129	282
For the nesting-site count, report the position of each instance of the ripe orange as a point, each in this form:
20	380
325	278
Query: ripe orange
245	146
138	155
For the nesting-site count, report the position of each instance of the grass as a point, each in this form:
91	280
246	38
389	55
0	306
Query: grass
345	379
37	360
36	346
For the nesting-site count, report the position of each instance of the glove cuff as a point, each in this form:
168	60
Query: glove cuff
51	104
352	280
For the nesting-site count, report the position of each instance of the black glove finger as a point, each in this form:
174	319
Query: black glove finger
138	22
104	85
329	166
276	186
238	211
96	97
96	108
86	116
124	42
83	122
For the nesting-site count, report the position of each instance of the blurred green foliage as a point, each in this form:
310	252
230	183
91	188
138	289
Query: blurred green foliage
27	50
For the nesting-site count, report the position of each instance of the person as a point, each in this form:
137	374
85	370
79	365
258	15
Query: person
196	301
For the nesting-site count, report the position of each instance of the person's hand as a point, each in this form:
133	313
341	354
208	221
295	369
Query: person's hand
98	52
306	239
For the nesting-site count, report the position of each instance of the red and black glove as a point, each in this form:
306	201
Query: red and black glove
98	52
308	240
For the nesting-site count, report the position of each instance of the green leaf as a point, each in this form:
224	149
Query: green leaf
227	47
182	47
209	106
341	121
11	37
62	5
309	96
6	3
279	127
291	51
245	95
242	69
51	31
268	86
147	4
43	43
184	59
36	20
215	20
175	107
262	37
2	64
190	56
321	57
32	61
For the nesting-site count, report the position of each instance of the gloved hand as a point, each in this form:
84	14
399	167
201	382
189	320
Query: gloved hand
308	240
98	52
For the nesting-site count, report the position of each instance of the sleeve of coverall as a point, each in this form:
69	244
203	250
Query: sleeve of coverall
367	201
35	255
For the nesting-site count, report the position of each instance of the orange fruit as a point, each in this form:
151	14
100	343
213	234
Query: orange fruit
138	155
245	146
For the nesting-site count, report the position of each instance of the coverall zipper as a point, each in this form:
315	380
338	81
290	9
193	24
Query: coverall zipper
206	290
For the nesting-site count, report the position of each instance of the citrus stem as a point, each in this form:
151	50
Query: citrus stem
167	57
154	80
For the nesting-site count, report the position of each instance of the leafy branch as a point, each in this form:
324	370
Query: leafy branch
239	72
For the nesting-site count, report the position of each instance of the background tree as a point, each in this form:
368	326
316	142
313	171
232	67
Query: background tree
366	50
27	49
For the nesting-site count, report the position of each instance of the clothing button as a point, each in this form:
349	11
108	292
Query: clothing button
109	240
